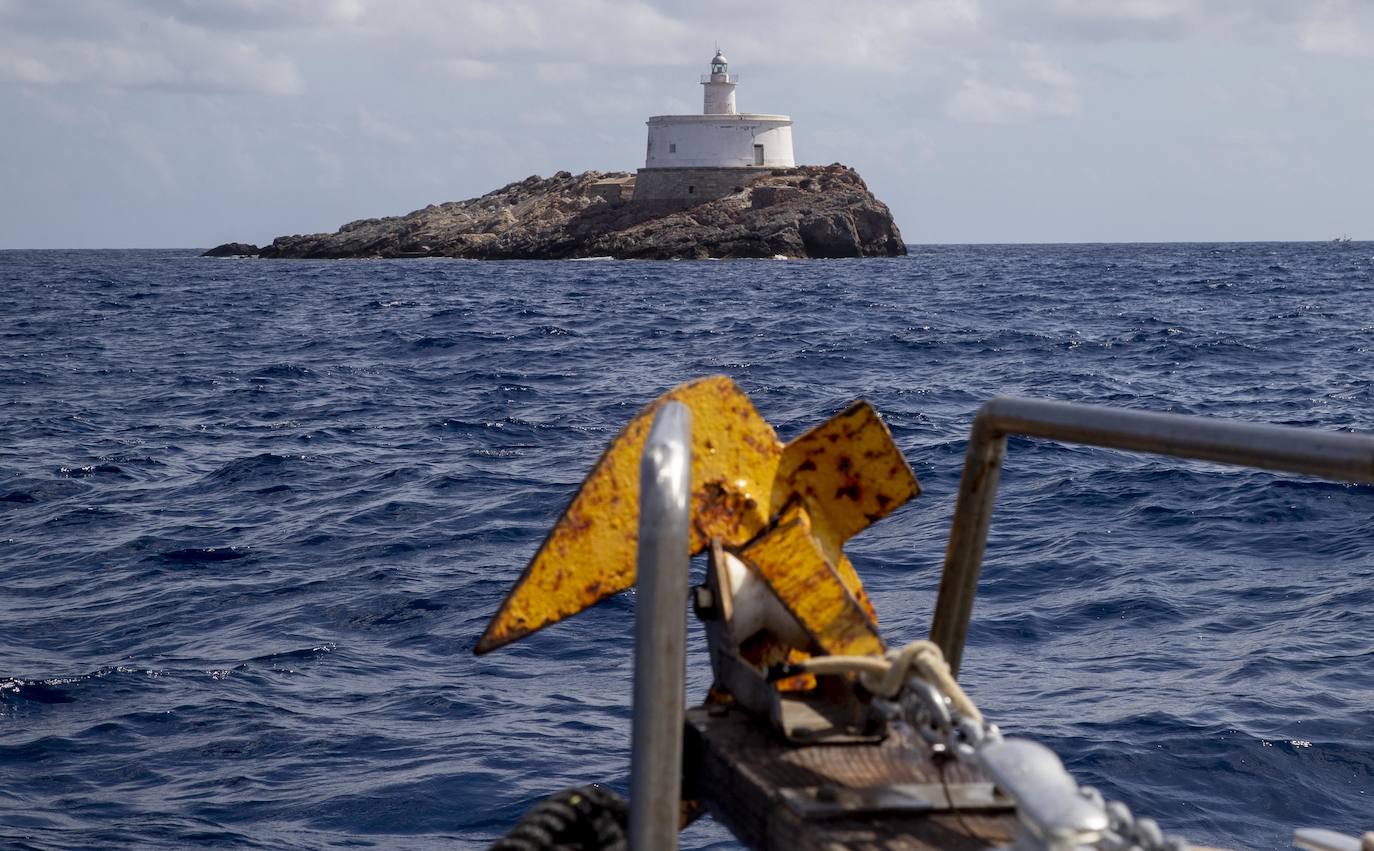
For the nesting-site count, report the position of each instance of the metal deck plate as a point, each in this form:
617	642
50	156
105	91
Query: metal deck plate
817	802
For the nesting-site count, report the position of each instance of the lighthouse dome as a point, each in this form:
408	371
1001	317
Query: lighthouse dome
719	63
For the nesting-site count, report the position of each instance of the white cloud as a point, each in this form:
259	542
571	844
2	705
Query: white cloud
468	69
546	118
1098	20
883	35
330	168
27	69
384	131
1339	27
140	51
978	102
259	14
1040	69
258	45
418	100
559	72
1332	28
614	32
1045	90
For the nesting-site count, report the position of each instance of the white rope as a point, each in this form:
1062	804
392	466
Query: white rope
888	675
885	676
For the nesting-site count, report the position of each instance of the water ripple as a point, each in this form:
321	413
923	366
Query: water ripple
254	514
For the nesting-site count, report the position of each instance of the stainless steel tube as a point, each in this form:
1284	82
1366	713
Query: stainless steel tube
665	501
1330	455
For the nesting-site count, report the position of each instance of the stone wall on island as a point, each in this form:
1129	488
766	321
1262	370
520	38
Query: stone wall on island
614	190
693	185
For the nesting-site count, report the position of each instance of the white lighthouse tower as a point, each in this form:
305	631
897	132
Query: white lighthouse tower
719	87
696	158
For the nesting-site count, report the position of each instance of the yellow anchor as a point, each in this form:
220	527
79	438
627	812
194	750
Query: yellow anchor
784	510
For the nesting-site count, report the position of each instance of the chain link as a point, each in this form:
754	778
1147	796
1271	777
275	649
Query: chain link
930	712
915	685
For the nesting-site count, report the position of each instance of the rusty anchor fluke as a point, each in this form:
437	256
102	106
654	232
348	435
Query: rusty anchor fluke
784	510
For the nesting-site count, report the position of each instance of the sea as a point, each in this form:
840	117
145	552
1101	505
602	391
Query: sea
254	515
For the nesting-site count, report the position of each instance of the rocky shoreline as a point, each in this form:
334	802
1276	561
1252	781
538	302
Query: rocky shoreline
808	211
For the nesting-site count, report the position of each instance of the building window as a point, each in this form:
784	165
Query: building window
691	189
758	155
672	147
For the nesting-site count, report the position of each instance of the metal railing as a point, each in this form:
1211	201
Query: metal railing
1340	456
665	502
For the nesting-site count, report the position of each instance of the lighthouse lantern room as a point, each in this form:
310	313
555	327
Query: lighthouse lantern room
719	88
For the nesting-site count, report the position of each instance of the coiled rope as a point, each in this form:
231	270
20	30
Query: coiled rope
583	818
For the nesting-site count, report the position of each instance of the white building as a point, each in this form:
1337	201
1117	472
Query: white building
699	157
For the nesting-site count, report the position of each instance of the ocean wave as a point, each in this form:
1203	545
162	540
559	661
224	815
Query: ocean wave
244	576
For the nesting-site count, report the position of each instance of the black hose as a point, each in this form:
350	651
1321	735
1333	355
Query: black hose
583	818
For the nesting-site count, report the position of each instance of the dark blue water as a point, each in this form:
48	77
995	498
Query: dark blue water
253	516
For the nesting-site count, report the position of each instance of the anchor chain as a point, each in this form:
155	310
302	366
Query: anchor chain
1125	831
1055	813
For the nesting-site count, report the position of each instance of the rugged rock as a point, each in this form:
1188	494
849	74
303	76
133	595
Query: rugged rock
810	211
233	249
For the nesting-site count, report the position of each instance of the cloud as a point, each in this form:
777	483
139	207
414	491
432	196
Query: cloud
135	51
1333	28
979	102
882	35
386	132
259	45
614	32
259	14
1044	90
468	69
1340	27
1093	20
560	72
27	69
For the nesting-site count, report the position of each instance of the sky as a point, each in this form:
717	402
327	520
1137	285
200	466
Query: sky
187	123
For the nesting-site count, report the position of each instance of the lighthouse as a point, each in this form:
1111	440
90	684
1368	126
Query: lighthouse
719	87
694	158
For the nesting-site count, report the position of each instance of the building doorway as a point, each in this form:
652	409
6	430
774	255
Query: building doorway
758	155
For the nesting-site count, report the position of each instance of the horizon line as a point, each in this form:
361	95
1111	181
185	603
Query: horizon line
1337	241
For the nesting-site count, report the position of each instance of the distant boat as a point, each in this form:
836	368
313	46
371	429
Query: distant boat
1341	240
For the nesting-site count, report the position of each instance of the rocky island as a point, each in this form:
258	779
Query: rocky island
804	211
719	184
